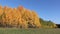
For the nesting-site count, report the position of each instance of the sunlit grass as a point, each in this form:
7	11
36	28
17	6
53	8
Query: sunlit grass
28	31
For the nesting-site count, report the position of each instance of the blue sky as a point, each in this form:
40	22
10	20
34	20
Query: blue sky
46	9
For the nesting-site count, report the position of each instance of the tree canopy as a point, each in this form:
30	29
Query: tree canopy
19	17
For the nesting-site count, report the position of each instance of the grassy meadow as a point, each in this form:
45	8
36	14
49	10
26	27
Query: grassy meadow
29	31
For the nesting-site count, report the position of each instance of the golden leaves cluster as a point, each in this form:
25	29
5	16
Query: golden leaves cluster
18	17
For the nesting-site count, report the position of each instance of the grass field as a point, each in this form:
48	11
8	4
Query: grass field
28	31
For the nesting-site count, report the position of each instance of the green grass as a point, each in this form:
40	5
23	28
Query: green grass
28	31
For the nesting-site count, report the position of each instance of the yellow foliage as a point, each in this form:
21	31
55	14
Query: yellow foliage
19	17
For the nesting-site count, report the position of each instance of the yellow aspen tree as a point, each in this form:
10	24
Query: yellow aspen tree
23	21
1	15
27	17
36	19
4	15
8	16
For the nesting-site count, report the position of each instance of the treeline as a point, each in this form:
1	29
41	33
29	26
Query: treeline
21	17
47	24
18	17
